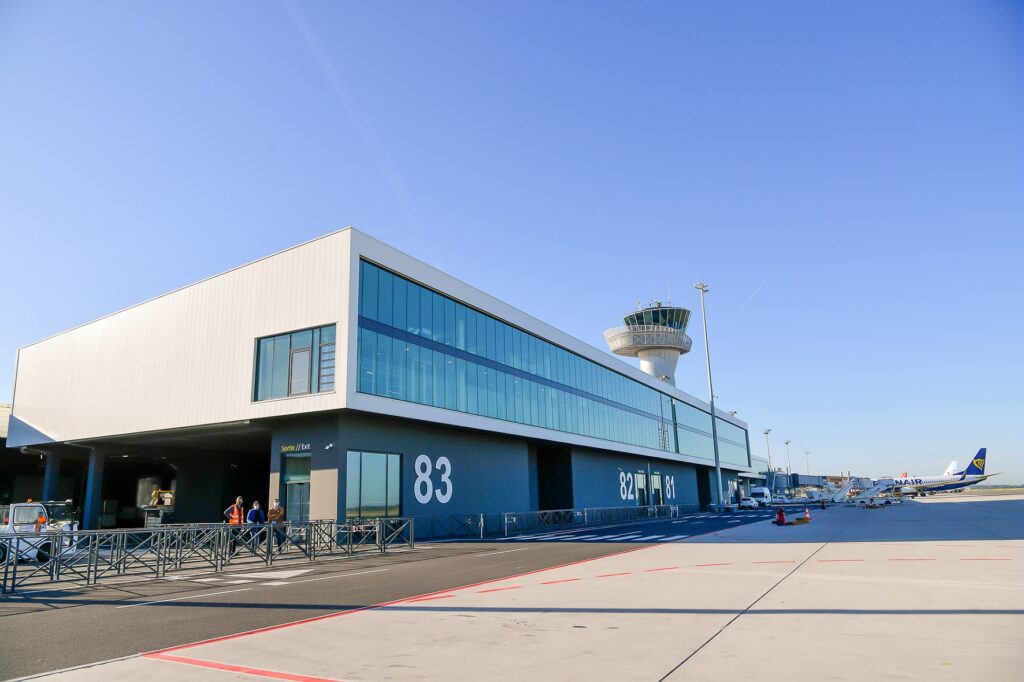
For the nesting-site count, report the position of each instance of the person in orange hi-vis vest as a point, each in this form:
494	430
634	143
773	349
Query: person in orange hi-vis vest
235	516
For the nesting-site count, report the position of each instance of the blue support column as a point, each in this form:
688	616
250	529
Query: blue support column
51	478
93	490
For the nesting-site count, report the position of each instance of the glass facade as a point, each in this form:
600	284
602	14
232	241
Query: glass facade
418	345
372	484
297	363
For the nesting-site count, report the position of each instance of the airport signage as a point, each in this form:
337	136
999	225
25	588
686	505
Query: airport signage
296	447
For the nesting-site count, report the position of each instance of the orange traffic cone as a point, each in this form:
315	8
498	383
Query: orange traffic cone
807	514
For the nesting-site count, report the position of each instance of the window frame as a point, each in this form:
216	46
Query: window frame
314	349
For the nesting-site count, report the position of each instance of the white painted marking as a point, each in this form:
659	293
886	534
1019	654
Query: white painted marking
272	575
194	596
622	536
577	537
238	582
735	521
210	580
675	537
504	551
343	575
646	537
276	583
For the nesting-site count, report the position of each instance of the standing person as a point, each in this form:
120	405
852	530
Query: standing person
235	516
256	517
275	516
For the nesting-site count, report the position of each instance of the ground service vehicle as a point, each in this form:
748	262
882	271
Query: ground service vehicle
36	525
762	496
747	503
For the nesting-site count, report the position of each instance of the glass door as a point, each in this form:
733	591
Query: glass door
656	498
296	499
296	488
641	489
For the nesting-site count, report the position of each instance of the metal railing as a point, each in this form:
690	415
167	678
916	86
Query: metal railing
30	559
521	522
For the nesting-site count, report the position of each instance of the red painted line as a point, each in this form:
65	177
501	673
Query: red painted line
725	564
833	561
783	561
985	559
555	582
245	670
498	589
440	596
666	568
281	626
612	575
912	559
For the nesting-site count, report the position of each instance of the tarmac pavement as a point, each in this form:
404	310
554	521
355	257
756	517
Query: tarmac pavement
918	591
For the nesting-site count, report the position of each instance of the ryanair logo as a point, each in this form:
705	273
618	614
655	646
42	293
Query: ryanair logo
980	463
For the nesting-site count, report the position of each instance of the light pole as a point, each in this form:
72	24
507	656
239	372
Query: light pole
703	288
771	470
789	462
807	458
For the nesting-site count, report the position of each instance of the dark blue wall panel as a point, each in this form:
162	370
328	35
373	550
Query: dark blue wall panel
597	482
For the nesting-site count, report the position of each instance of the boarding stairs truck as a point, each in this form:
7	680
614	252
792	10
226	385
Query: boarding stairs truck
875	495
841	494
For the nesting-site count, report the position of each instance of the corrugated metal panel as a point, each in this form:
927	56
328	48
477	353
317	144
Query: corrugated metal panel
186	358
5	413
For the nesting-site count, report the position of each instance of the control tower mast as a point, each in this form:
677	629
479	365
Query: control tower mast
655	334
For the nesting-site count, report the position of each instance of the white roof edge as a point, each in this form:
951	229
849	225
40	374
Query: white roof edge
187	286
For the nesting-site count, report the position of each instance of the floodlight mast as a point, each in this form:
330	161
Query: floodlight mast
703	288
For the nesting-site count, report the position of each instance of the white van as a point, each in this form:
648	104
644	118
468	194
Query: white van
762	496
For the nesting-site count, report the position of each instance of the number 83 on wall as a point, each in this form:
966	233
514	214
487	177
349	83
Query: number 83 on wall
424	488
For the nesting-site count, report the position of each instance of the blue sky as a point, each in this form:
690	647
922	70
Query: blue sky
847	177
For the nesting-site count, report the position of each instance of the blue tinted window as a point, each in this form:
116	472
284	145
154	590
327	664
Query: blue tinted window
385	297
459	358
401	309
368	290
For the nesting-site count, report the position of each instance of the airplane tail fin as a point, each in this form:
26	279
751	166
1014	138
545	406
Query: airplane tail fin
951	470
977	465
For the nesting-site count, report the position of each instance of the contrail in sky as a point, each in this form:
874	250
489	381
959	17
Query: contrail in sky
749	299
377	150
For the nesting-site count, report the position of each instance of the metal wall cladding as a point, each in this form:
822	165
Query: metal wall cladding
186	358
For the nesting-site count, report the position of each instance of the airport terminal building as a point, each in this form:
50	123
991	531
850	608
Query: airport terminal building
349	379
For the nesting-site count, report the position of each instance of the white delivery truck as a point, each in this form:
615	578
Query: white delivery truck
762	496
32	528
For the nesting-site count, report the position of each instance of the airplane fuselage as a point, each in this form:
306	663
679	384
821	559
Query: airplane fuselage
937	483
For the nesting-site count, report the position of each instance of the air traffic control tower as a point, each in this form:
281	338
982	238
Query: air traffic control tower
655	334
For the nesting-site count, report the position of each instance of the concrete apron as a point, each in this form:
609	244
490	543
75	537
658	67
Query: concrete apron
756	600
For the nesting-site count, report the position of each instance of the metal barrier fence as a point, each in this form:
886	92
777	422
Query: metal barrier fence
29	559
521	522
510	523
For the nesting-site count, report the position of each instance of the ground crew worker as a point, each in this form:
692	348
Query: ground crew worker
235	515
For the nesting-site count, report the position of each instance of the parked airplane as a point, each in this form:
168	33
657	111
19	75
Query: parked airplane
950	480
